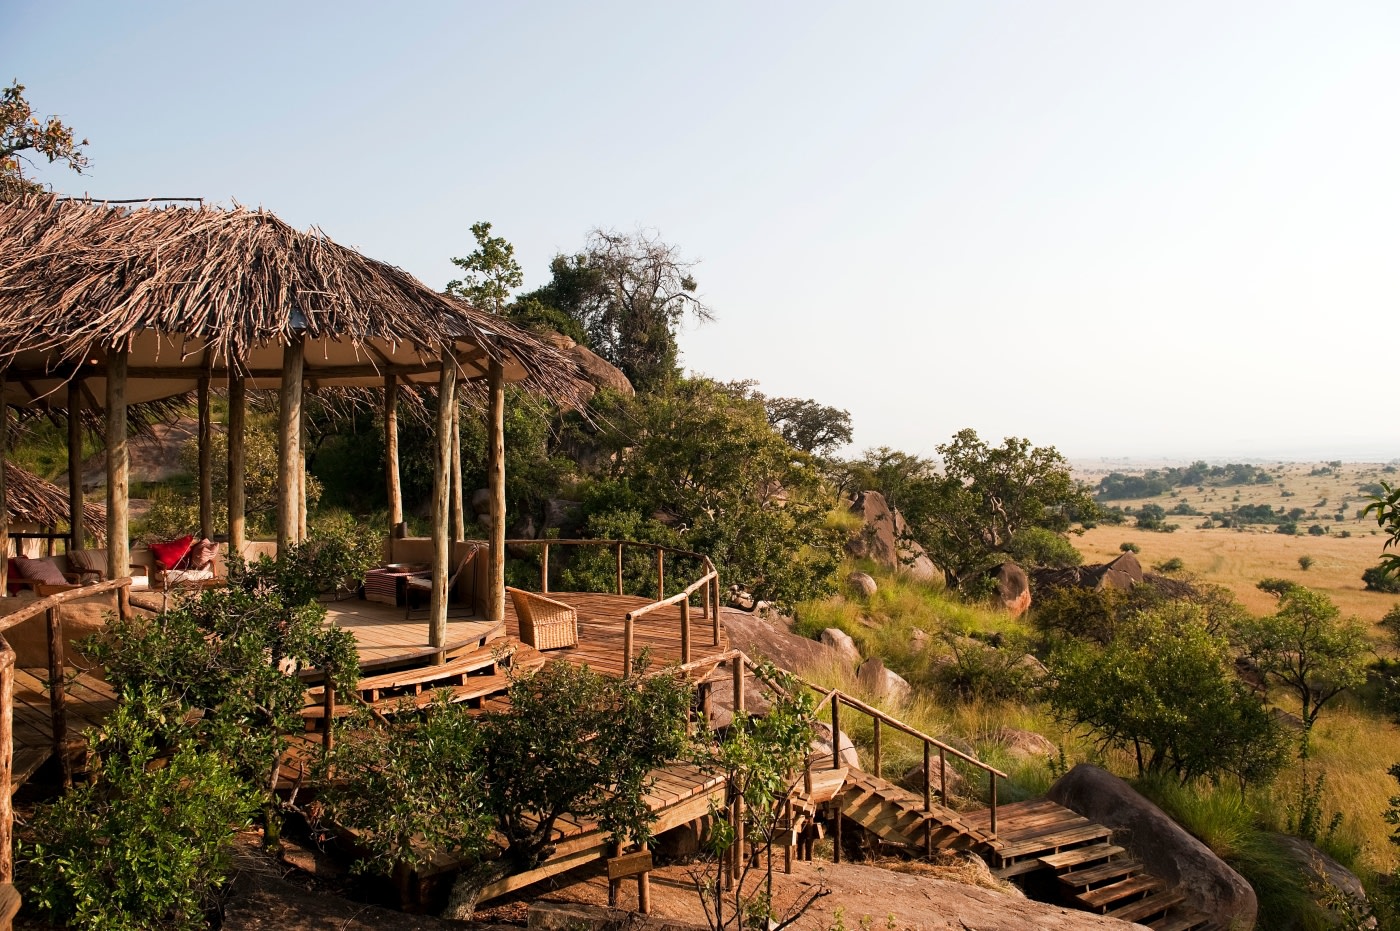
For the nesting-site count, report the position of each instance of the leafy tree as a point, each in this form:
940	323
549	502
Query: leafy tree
491	271
811	427
22	132
1306	647
573	742
1385	504
1040	546
1163	688
699	459
629	294
968	517
1378	579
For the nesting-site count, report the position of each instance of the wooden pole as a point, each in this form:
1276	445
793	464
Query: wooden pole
289	452
992	778
4	568
58	699
627	642
496	483
237	465
685	631
544	568
391	451
660	574
619	568
118	468
877	747
206	460
836	733
76	535
942	777
459	527
328	707
442	482
7	756
303	444
714	620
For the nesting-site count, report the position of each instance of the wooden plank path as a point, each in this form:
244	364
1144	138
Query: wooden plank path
90	700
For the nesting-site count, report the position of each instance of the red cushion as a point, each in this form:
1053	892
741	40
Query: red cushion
168	555
12	572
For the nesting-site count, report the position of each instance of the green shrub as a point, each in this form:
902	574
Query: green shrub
1305	563
1378	580
1174	564
1040	546
143	846
1129	548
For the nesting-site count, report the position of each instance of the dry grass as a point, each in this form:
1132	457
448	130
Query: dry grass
1238	559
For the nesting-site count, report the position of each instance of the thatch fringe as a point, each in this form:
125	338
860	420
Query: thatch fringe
76	275
30	499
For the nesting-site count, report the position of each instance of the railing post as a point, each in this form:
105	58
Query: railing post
835	733
660	574
627	646
992	778
705	601
7	755
328	706
685	631
942	777
877	747
58	700
619	568
928	797
738	685
714	618
544	568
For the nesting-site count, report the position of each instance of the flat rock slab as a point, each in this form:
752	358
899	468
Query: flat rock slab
267	903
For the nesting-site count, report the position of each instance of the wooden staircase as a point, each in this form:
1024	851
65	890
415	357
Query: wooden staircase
897	816
1039	839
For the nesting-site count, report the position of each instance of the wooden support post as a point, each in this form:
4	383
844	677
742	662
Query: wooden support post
391	451
705	601
685	631
7	756
836	733
644	891
619	568
738	685
877	747
613	884
496	484
942	777
992	778
627	643
58	699
791	837
714	620
544	568
303	444
289	447
836	837
118	468
928	796
328	707
206	459
660	574
4	573
76	534
442	481
237	464
459	528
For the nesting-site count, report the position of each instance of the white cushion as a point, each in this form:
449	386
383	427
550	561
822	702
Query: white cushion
176	576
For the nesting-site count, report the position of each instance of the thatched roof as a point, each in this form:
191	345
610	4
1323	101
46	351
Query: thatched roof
193	291
31	500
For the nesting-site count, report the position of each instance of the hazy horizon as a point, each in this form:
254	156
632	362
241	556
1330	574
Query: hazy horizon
1121	230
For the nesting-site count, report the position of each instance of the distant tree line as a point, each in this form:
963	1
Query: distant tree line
1117	486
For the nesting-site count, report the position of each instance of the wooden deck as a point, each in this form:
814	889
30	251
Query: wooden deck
386	638
90	700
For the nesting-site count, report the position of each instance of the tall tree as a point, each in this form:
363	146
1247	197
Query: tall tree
491	271
22	132
809	426
629	293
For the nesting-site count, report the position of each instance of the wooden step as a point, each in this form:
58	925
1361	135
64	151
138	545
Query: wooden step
1146	908
474	689
1092	875
1188	922
1102	898
467	663
1053	843
1019	868
1080	855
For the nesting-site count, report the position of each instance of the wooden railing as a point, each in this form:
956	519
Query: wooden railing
51	608
707	584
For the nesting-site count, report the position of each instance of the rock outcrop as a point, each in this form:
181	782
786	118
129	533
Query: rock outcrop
600	372
884	684
760	638
821	743
1325	874
841	642
1013	588
1026	745
862	584
884	538
1165	848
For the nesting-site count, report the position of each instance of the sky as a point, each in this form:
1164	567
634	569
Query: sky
1121	229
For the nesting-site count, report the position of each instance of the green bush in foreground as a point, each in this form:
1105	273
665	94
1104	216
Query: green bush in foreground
144	846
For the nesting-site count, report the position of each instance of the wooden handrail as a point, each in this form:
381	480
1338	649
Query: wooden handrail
674	599
41	605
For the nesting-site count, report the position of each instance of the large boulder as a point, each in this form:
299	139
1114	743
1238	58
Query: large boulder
882	683
884	538
913	779
1025	745
599	371
760	638
1325	874
1168	851
840	641
821	744
560	514
862	584
1013	588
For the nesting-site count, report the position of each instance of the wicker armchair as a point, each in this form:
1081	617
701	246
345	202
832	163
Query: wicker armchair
545	624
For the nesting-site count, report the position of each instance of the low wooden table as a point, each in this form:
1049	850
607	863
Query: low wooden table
389	584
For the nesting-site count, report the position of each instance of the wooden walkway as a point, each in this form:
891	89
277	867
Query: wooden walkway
385	637
90	700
